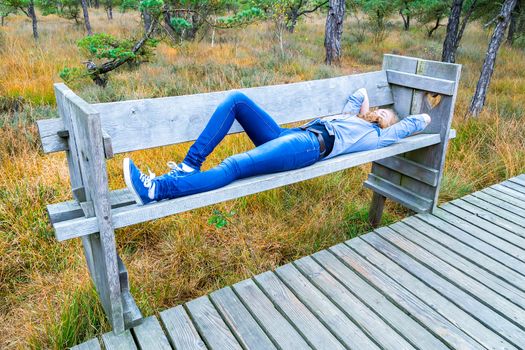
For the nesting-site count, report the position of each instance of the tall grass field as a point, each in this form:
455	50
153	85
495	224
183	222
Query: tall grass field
47	300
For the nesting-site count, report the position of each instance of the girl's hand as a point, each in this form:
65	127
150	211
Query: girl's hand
427	118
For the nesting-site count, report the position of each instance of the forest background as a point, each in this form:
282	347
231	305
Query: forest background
47	300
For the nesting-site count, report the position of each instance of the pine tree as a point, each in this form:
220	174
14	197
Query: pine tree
502	20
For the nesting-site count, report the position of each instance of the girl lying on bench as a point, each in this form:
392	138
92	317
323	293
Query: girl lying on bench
277	149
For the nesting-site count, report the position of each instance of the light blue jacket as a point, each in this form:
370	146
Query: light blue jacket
353	134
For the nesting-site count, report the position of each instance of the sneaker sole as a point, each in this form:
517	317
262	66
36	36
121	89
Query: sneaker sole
129	184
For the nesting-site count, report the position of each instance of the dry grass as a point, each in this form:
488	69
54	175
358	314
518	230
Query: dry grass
46	298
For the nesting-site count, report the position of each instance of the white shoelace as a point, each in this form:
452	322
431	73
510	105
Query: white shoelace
174	167
146	179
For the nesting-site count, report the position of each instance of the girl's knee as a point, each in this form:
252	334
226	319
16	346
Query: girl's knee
237	96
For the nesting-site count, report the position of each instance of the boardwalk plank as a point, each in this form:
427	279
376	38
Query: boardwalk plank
493	248
518	180
480	222
246	329
484	314
498	207
482	234
92	344
509	191
504	289
149	335
123	341
439	325
404	301
363	314
270	319
297	313
182	334
482	260
210	325
464	282
374	251
331	313
516	187
501	199
492	213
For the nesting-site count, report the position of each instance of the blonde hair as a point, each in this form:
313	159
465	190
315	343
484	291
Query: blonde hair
373	117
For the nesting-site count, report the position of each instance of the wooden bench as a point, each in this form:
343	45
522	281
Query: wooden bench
408	172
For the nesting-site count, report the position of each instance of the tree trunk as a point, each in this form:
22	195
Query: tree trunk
32	14
109	10
86	16
2	20
433	29
464	25
291	22
406	20
449	45
147	19
97	4
478	100
513	25
334	31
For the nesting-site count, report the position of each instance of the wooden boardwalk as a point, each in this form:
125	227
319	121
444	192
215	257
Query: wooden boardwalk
451	279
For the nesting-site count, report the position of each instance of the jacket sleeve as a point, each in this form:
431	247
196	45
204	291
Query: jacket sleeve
354	102
402	129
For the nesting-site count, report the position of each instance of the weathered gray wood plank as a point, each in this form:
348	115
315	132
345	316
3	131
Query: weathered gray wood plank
479	221
421	82
87	132
155	122
92	344
269	318
509	191
182	334
123	341
493	213
501	199
402	95
476	238
299	315
377	253
149	335
482	260
211	326
461	280
397	316
48	130
514	186
409	168
245	327
439	325
418	241
398	193
133	214
341	319
518	180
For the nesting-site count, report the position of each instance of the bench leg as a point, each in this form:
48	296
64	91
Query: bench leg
376	209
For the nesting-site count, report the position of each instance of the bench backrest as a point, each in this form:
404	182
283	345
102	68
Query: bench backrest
141	124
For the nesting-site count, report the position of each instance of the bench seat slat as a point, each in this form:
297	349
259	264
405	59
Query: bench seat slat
421	82
133	214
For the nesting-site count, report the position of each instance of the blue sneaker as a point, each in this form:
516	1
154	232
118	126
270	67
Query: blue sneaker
177	170
140	184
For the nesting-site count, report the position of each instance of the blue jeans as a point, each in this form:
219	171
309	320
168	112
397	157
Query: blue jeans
277	149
